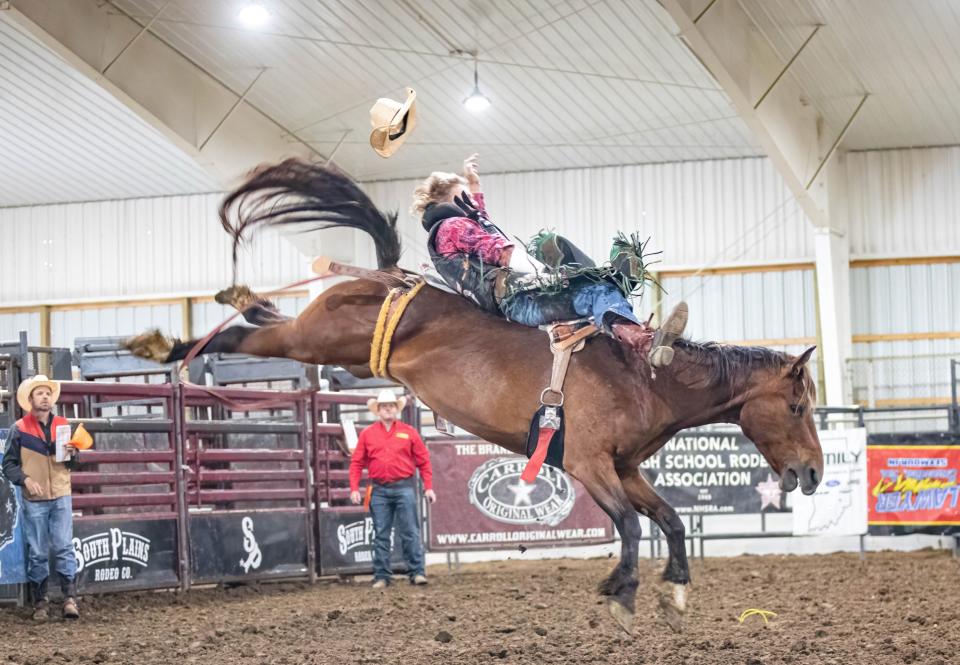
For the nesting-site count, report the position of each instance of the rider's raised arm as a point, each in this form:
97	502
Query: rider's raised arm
471	172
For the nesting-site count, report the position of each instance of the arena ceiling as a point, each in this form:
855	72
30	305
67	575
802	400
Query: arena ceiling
573	84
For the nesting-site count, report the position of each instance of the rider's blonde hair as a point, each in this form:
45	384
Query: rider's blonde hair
435	188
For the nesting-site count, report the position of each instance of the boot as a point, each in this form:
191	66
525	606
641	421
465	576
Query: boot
70	610
69	588
38	594
656	345
667	334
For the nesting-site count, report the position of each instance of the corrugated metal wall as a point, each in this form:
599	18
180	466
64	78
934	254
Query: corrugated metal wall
716	212
904	202
125	319
906	327
137	247
773	308
66	325
722	211
11	323
752	307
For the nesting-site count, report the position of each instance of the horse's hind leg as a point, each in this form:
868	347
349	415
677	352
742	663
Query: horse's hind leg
273	342
600	478
256	309
677	573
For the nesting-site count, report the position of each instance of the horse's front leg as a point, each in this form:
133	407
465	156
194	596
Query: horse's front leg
620	587
673	602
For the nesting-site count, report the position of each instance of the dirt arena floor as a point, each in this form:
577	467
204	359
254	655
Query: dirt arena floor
895	608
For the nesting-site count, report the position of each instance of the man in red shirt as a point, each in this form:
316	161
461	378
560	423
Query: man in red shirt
392	451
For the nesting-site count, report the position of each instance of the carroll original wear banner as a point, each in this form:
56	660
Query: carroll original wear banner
913	485
482	504
714	472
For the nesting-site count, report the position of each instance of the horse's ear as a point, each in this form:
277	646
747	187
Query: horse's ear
802	360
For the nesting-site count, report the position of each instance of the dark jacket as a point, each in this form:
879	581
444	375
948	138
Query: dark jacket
30	451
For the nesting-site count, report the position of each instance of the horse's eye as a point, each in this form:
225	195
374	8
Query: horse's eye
797	409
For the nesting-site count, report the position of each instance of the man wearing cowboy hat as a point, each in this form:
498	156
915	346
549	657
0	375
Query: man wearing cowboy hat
392	451
29	460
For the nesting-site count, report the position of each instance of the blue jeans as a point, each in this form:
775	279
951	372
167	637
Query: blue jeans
596	299
48	527
395	505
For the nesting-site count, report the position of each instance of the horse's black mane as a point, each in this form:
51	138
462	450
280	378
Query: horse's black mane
726	363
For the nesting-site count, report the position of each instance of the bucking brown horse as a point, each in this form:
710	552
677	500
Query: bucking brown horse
486	374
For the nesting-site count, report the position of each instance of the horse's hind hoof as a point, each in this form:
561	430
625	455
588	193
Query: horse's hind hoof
621	615
150	345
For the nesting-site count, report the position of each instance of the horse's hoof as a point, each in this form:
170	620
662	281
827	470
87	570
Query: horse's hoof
621	615
238	296
673	605
150	345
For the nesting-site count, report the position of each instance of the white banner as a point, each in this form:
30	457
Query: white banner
839	506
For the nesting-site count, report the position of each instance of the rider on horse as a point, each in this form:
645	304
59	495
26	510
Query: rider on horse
479	261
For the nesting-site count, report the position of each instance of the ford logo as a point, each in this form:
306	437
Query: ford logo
832	483
496	490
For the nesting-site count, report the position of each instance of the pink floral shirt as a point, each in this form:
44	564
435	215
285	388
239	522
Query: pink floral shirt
462	235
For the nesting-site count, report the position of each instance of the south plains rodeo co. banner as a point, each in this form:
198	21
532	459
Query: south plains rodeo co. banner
346	543
117	554
721	472
914	486
482	504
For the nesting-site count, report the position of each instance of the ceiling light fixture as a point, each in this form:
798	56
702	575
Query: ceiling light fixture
476	102
254	15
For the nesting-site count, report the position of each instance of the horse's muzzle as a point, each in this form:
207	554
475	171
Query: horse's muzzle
807	477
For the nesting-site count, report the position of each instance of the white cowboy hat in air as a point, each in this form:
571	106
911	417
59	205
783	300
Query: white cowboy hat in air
392	123
31	384
386	396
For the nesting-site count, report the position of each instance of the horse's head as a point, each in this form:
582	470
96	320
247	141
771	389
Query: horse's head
778	417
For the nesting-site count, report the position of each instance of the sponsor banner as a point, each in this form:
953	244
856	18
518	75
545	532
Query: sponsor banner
12	547
839	506
714	472
122	554
913	486
247	544
482	503
346	543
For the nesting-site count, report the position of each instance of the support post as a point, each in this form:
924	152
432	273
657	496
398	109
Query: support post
833	294
955	407
176	407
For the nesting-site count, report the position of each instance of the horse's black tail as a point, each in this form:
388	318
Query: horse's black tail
312	197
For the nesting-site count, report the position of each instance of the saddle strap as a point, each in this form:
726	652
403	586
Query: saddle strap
562	351
561	362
